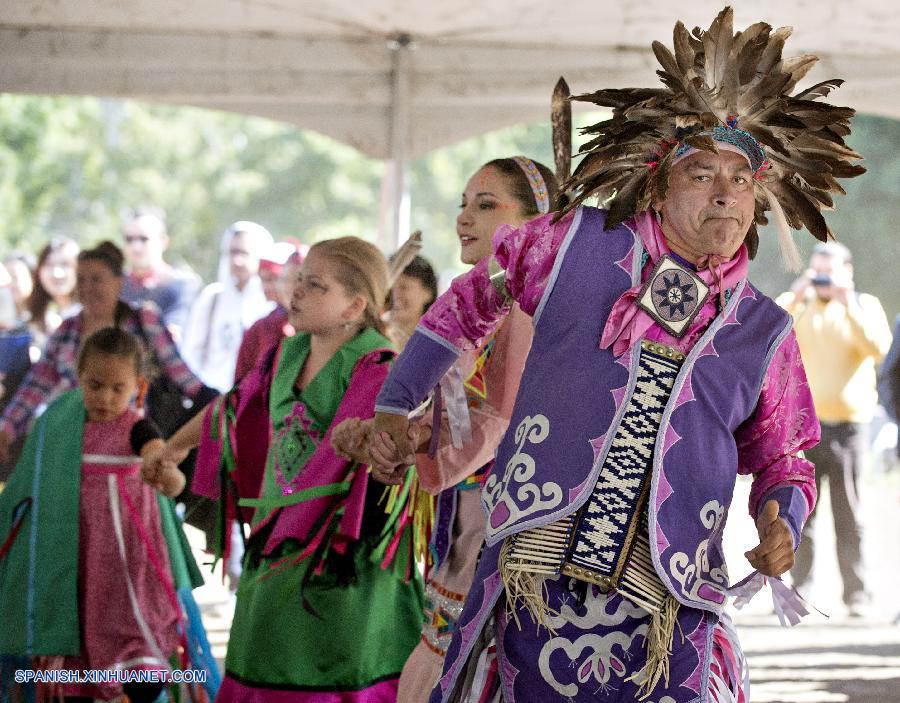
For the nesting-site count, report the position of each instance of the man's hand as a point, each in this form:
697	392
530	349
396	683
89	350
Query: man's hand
392	447
802	286
843	288
774	555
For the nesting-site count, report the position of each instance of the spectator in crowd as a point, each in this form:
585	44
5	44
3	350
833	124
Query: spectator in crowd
53	297
842	335
266	332
8	314
99	287
413	293
271	267
20	268
227	307
16	290
16	349
149	276
889	379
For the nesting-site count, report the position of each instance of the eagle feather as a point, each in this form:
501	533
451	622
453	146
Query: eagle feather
709	77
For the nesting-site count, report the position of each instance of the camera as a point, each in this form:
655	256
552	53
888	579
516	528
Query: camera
821	280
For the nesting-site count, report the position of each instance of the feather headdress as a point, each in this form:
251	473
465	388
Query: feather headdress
721	86
404	256
561	123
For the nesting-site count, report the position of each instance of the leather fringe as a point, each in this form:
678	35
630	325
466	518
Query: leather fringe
658	643
525	587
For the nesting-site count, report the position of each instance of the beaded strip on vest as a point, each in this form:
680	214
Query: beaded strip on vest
606	541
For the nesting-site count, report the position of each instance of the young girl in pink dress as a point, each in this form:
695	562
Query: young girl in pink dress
86	581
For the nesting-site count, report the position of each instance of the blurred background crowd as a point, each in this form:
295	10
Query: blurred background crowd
193	243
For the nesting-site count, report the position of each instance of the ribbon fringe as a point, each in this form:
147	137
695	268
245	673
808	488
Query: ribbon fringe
410	510
790	606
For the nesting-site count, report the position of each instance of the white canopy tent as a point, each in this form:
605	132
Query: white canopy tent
398	78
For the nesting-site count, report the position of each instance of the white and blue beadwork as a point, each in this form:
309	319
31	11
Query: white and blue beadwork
606	541
608	522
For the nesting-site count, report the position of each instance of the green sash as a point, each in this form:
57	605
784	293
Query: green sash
39	574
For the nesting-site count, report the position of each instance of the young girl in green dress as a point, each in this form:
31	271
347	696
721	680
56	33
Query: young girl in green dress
329	603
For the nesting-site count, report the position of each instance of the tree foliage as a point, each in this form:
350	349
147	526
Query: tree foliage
75	165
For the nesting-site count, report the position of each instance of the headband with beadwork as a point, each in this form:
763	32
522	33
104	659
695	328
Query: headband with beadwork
537	183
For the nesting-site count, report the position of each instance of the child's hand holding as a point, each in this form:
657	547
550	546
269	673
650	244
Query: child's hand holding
350	439
160	469
171	480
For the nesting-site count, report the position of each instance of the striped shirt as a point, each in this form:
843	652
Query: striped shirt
57	371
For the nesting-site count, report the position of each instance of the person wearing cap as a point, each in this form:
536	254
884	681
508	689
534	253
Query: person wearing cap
226	308
271	266
278	272
657	374
149	276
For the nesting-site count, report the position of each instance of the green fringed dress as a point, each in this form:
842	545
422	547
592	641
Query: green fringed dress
329	603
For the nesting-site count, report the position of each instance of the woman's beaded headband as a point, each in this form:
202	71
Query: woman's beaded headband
537	183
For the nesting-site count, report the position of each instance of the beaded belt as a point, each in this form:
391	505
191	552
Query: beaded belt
606	542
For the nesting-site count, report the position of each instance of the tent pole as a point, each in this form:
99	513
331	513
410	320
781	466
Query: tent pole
398	169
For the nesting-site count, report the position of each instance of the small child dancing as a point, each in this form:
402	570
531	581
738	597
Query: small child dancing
86	581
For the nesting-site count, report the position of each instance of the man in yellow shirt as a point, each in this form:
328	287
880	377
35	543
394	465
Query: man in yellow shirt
843	335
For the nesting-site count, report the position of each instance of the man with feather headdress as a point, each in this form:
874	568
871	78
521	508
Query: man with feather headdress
657	374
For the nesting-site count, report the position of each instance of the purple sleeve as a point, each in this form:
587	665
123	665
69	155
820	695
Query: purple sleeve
792	507
417	370
473	308
771	441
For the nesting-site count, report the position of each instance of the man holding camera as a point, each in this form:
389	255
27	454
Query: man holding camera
843	336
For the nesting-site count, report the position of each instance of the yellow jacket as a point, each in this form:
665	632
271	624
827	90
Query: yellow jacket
840	346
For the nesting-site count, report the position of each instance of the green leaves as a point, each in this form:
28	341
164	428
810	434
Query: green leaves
73	165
